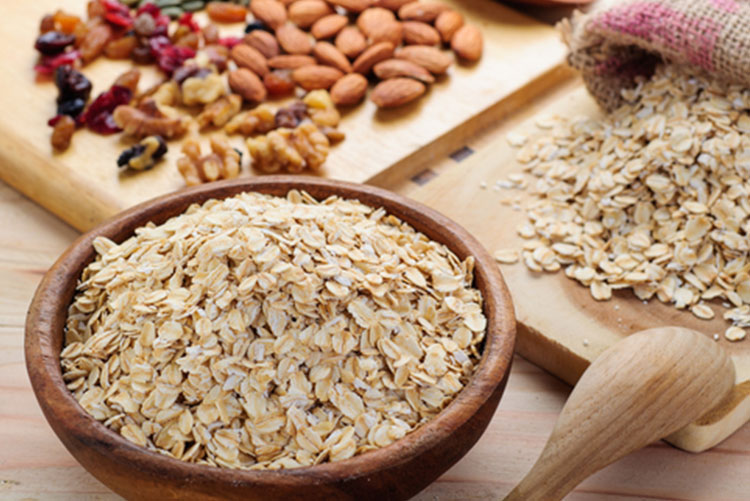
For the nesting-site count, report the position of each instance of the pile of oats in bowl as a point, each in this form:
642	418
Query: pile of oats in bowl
264	332
653	197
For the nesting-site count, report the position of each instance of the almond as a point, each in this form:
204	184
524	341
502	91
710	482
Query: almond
419	33
426	12
396	92
391	31
247	84
304	13
248	57
393	5
373	17
391	68
372	56
316	77
290	62
429	58
263	42
447	23
467	42
349	90
351	41
326	53
328	26
271	12
293	40
352	5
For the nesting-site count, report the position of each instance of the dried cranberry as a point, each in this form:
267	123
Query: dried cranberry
48	64
71	84
186	19
148	8
98	116
229	42
116	7
168	57
256	25
118	19
53	121
53	42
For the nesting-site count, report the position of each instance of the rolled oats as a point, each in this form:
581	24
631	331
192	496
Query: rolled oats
264	333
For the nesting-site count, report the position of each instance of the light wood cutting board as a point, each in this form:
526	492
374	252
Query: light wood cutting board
561	327
83	185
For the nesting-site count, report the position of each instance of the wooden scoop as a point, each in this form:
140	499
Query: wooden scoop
642	389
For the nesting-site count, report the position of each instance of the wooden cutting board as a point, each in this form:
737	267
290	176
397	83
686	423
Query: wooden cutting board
83	185
561	327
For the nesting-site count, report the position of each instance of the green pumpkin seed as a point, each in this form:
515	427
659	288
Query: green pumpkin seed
172	12
193	5
167	3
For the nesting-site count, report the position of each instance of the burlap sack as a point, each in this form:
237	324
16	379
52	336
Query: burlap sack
617	41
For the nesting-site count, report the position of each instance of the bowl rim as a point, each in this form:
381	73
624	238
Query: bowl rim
45	321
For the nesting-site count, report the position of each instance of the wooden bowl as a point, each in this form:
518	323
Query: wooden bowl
397	471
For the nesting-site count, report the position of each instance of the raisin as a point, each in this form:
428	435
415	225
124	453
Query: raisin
47	23
184	72
129	79
120	48
63	128
143	155
291	116
190	40
67	23
256	25
98	116
226	12
95	8
279	82
144	25
218	55
71	84
53	42
142	54
94	41
72	107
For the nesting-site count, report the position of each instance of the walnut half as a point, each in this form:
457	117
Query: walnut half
135	122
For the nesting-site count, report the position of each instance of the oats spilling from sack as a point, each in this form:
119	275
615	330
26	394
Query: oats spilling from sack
263	332
653	197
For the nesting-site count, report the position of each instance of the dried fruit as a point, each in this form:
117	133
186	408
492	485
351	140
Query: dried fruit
143	155
419	33
391	68
290	62
247	84
350	41
48	64
94	41
293	40
248	57
67	23
291	116
304	13
426	12
63	128
349	90
448	23
263	42
430	58
279	82
372	56
53	42
129	79
326	53
374	17
328	26
352	5
316	77
396	92
169	57
138	123
467	42
99	115
224	12
120	48
73	89
270	12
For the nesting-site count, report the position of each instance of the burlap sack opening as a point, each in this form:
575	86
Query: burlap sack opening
618	41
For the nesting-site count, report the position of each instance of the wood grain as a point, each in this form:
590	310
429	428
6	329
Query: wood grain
83	185
572	329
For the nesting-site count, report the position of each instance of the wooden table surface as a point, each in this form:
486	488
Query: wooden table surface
35	466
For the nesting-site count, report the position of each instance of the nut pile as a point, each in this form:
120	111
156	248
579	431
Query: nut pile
654	197
288	47
265	332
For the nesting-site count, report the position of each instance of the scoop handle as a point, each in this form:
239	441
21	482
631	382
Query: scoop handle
641	389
